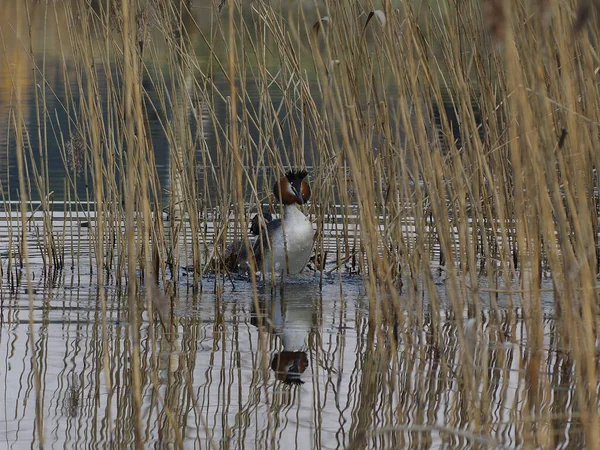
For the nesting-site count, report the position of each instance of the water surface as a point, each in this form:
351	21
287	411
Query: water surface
215	378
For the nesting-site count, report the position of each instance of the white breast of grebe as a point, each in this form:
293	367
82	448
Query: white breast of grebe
299	238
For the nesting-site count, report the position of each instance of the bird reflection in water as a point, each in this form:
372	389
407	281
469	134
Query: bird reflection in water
290	317
289	366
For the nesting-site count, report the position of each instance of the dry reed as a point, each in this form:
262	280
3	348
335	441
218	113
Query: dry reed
431	150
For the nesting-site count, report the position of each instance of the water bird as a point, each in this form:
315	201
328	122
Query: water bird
235	254
285	245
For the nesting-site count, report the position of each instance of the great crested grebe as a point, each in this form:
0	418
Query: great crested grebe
236	256
285	245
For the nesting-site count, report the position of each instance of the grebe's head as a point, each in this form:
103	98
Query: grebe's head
292	188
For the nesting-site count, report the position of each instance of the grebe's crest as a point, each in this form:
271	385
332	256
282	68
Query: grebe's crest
296	175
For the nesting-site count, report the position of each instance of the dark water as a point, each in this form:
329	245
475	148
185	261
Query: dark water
49	85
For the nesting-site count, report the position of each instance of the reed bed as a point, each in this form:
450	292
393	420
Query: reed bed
452	156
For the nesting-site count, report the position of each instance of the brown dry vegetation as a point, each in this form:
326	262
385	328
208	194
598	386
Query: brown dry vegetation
363	96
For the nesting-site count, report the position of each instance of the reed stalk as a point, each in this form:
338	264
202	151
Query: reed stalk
451	152
18	125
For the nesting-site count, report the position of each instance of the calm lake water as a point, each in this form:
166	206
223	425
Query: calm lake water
299	368
302	368
215	375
